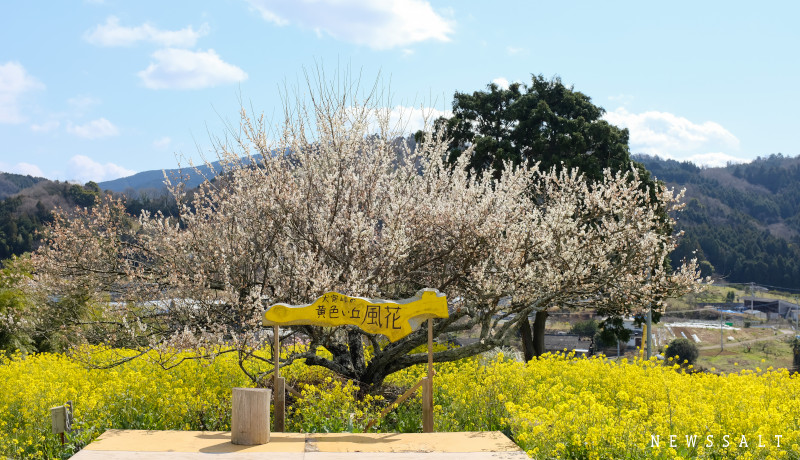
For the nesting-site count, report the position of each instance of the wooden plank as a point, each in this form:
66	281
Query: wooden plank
397	402
276	350
280	405
427	406
278	384
427	387
177	445
334	309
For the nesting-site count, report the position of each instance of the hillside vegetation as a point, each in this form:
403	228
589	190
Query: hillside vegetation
27	204
744	220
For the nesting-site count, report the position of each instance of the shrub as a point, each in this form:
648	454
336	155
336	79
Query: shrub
587	328
681	350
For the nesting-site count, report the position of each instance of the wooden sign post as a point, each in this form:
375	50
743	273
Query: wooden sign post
427	389
279	384
393	318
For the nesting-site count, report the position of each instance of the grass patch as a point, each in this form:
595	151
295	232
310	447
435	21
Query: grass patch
761	355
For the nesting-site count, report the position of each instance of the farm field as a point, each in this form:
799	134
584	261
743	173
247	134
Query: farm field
743	348
554	406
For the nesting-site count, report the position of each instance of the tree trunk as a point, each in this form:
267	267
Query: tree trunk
356	348
527	339
538	332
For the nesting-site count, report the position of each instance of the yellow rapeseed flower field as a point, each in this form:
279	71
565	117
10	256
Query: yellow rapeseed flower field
138	395
553	407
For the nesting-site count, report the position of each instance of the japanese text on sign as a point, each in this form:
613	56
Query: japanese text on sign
392	318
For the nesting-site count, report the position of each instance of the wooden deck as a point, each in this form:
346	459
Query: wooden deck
179	445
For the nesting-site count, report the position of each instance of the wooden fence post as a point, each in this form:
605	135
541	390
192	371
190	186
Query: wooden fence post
427	387
279	385
250	416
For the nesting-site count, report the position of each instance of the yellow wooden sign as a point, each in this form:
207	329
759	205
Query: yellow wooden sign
393	318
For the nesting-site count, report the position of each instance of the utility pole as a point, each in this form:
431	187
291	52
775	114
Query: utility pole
721	333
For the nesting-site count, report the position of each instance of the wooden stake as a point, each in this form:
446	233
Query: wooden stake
399	401
279	385
427	387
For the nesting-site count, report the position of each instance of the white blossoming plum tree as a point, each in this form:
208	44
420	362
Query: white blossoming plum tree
335	198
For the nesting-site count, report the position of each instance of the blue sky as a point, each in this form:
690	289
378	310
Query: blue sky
94	90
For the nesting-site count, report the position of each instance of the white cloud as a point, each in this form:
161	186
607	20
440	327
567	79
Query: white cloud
182	69
94	129
45	127
22	168
416	118
379	25
514	50
413	119
714	159
83	103
113	34
501	82
671	136
14	82
162	142
83	169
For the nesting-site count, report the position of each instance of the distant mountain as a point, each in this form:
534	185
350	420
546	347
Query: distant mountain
11	184
154	180
24	213
742	221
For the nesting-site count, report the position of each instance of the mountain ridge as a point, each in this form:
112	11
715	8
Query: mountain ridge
742	221
154	179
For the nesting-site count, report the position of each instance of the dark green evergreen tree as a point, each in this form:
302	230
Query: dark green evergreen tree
545	122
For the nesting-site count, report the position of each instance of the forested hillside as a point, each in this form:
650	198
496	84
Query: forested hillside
744	220
26	205
11	184
25	212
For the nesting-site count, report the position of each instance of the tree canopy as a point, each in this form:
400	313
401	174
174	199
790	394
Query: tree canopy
545	122
331	201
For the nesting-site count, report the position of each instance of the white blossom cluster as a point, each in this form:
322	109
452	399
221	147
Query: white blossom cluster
335	199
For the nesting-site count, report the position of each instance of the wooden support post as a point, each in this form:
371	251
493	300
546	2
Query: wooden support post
70	416
427	386
58	419
280	405
279	385
396	403
61	419
250	416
